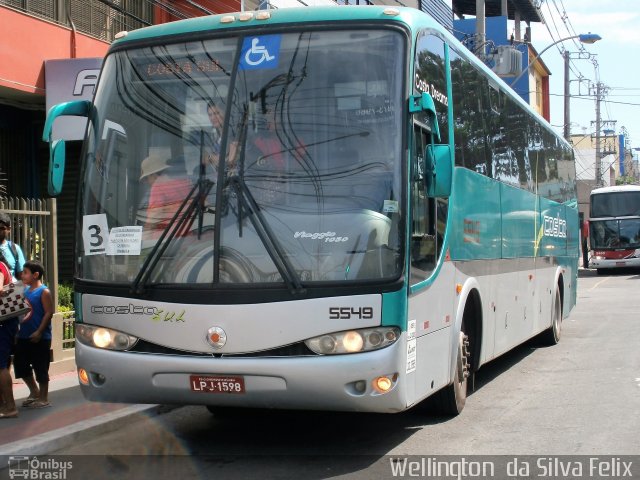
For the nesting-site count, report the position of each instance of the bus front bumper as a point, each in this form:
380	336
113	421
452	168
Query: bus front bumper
632	262
331	382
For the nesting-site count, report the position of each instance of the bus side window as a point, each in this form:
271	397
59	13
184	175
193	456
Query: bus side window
426	229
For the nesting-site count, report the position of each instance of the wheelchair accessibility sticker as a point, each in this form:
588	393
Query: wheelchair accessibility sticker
260	52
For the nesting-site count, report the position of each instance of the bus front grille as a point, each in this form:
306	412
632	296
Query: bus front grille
298	349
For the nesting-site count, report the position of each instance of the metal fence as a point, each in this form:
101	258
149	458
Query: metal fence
63	333
34	229
68	333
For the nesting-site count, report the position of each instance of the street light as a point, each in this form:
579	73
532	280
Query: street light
583	37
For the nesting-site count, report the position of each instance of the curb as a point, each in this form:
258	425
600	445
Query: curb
48	442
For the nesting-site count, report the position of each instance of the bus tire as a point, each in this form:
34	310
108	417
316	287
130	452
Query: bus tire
552	335
452	398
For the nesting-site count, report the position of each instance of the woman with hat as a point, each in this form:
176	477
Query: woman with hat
166	192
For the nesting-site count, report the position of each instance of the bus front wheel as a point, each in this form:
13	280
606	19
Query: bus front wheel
451	399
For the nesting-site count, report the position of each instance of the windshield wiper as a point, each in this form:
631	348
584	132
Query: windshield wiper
266	235
179	220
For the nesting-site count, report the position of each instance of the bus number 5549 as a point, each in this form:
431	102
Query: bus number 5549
345	313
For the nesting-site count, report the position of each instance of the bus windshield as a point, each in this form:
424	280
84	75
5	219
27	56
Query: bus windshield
612	225
615	204
258	159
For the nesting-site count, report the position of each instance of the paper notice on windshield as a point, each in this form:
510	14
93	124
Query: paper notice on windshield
390	206
95	234
125	240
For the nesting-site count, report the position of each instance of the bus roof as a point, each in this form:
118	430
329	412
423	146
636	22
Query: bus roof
616	188
276	16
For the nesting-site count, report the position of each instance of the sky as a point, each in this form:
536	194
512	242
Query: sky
617	54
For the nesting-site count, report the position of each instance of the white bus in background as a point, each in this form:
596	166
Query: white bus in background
614	227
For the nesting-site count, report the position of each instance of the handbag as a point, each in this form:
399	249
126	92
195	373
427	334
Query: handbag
13	302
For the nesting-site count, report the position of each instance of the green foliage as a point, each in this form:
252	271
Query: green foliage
625	180
65	297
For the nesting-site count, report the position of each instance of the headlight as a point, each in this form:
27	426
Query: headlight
352	341
101	337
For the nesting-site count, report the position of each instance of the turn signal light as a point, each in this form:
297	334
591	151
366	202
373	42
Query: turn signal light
83	376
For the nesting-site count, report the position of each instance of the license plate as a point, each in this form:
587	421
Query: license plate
217	384
620	264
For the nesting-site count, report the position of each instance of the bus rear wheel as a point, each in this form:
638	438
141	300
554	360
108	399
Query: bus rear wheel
551	336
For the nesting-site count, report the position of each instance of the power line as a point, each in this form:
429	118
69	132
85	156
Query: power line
590	97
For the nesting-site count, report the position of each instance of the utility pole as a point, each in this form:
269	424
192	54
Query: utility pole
480	29
601	91
567	97
598	159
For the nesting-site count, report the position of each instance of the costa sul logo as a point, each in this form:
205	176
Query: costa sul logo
124	310
555	227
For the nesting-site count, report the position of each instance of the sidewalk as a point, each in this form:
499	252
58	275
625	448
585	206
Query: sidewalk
70	416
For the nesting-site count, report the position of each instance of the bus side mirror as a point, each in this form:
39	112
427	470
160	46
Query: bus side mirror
78	108
424	103
438	170
56	167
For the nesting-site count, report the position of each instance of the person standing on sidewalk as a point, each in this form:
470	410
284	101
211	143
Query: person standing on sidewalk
8	330
14	260
34	337
11	251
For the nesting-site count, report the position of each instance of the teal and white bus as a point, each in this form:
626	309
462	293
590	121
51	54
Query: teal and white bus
374	217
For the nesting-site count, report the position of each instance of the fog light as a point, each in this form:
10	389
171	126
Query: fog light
83	376
360	386
382	384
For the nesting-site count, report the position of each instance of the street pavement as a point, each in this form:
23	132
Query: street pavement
69	418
